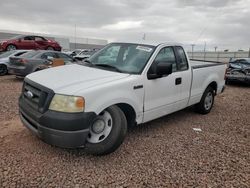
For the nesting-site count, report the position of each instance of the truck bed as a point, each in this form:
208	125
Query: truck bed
202	71
200	64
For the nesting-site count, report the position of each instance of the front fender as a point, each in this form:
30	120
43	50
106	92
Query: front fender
4	63
98	101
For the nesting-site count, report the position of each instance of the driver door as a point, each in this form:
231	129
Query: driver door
27	43
162	94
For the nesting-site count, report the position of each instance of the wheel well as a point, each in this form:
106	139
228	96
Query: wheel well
3	65
214	86
12	45
129	113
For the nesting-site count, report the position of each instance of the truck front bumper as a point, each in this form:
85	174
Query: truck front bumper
66	130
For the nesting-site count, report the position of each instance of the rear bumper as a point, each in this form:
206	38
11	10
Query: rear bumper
66	130
17	71
58	48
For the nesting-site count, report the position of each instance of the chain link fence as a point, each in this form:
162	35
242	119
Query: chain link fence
218	56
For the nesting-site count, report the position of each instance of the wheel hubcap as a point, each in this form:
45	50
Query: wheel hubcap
101	128
208	101
11	47
98	126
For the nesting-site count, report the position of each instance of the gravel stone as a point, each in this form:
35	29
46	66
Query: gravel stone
166	152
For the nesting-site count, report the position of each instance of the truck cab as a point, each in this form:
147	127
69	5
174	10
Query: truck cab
91	105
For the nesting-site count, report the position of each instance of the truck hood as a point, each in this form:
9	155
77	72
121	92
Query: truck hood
69	79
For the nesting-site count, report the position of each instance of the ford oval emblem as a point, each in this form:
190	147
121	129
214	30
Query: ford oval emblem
29	94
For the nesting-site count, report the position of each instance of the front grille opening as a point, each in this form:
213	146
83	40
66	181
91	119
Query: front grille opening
34	96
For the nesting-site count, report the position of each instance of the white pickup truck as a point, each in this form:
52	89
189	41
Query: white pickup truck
91	104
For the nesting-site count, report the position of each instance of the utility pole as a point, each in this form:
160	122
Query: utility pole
205	45
215	48
75	36
144	36
192	50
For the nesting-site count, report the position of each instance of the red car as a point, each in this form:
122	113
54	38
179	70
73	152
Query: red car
29	43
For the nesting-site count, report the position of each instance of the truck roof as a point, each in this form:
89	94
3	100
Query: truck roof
151	43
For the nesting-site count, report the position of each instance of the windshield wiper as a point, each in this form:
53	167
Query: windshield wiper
108	66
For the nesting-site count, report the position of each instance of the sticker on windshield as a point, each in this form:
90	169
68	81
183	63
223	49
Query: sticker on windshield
144	48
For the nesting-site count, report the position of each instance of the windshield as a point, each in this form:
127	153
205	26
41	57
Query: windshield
16	37
29	54
76	51
7	54
86	53
125	57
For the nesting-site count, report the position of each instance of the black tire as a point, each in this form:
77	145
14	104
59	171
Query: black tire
227	82
3	70
50	48
201	107
115	137
11	47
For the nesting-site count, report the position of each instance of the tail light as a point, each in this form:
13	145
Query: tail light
23	61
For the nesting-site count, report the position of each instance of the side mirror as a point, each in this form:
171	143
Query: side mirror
161	69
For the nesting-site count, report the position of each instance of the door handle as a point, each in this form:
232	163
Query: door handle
177	81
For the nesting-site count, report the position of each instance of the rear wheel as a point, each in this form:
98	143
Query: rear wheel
3	70
11	47
50	48
207	101
107	131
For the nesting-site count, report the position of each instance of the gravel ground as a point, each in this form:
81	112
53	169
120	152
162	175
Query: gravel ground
166	152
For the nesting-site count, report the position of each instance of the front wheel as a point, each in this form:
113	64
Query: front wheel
107	132
207	101
11	47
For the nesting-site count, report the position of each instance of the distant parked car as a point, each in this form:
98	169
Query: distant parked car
78	51
29	42
238	70
4	59
84	55
34	61
240	63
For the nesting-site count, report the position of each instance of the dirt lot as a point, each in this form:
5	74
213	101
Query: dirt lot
165	152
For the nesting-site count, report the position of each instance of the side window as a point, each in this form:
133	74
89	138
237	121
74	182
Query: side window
167	55
39	39
65	57
18	54
28	38
183	63
48	54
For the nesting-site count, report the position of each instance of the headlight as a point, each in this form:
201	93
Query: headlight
66	103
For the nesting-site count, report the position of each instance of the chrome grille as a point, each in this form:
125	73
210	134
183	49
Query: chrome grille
35	97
